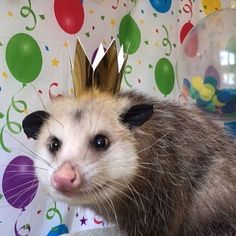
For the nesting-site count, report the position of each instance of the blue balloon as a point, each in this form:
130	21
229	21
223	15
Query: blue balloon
230	128
186	83
202	103
224	96
58	230
228	108
161	6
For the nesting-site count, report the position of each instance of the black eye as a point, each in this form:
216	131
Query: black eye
54	144
100	142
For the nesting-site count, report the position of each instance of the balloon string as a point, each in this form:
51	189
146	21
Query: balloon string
52	212
25	11
166	41
188	8
54	84
117	4
14	127
127	71
25	227
98	222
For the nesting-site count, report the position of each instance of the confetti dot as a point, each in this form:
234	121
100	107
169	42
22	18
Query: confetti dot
91	11
77	214
142	11
139	80
93	27
113	22
55	62
66	45
42	17
146	42
102	17
40	91
150	66
87	34
9	13
39	211
47	48
1	44
4	75
154	14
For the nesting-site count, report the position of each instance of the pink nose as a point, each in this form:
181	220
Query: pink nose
66	179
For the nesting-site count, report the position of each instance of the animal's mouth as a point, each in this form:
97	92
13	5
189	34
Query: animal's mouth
86	191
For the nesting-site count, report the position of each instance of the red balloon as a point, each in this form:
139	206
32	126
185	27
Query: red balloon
69	15
185	30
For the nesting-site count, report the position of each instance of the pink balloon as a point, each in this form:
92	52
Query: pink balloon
191	45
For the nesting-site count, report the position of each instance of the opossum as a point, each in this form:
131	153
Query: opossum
150	167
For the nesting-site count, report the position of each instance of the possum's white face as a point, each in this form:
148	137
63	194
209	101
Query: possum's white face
90	151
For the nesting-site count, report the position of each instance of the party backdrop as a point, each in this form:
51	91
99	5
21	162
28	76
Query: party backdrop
37	39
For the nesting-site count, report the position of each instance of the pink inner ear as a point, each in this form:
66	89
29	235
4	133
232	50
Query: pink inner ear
66	179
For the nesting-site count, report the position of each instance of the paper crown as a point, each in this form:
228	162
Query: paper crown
105	74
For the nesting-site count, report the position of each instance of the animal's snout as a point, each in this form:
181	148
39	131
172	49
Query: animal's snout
66	179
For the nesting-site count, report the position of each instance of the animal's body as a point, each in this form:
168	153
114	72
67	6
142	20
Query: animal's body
151	168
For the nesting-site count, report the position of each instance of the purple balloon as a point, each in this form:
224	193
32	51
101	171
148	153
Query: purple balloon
212	72
19	182
95	54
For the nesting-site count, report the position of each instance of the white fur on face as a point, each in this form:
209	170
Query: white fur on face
104	173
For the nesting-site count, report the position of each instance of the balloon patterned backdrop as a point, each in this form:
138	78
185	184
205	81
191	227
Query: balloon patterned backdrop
37	38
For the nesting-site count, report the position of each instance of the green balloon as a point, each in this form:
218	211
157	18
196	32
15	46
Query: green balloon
129	34
24	57
164	76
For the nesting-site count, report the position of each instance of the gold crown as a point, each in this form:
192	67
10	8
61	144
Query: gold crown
105	74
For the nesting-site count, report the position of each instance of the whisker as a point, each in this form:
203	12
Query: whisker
18	195
22	185
35	155
98	205
19	165
110	203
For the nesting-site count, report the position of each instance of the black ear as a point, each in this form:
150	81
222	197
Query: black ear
33	122
137	115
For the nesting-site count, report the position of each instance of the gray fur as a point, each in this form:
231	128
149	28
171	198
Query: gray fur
186	180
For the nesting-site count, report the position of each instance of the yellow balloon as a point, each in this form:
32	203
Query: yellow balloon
197	83
210	6
216	102
207	92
